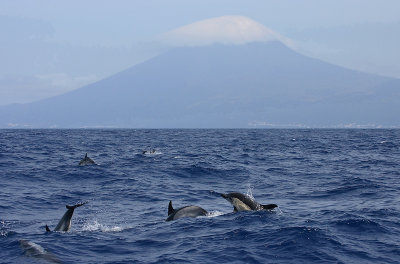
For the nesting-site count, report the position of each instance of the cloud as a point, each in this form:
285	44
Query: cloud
222	30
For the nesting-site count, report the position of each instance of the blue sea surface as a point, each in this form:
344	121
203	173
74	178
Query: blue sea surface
338	193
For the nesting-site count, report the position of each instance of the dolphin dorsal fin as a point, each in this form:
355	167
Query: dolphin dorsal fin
47	228
86	156
170	208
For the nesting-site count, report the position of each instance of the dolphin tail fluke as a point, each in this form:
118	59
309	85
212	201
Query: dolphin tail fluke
47	229
170	208
75	206
269	206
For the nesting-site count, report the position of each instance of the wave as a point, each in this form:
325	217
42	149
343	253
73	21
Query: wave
5	230
338	191
347	186
201	170
359	226
388	144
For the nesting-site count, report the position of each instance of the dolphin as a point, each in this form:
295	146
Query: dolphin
243	202
187	211
34	250
152	151
65	222
86	161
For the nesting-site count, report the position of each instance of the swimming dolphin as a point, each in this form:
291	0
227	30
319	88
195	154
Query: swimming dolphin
86	161
65	222
152	151
243	202
34	250
187	211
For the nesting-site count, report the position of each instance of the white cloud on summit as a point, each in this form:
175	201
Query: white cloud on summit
222	30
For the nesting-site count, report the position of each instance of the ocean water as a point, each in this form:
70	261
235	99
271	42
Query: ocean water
338	193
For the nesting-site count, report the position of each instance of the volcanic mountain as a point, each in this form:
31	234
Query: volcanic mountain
220	86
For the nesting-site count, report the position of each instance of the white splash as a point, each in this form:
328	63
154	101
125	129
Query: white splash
151	152
222	30
214	213
250	189
96	226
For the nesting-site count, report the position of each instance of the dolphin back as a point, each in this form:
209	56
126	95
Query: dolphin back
86	161
268	206
186	211
34	250
242	201
247	200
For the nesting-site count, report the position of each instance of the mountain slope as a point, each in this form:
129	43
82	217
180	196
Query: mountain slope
221	86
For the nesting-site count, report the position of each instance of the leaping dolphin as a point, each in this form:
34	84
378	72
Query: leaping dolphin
65	222
187	211
243	202
86	161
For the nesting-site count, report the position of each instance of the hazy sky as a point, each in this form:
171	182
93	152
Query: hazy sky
50	47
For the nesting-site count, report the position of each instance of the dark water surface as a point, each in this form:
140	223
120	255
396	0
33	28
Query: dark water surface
338	193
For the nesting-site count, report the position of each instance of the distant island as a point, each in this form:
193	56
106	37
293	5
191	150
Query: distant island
263	84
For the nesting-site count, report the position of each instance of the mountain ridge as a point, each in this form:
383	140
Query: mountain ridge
220	86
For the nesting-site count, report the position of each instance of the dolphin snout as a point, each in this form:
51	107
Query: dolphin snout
224	195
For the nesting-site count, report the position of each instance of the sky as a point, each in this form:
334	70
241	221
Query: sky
52	47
